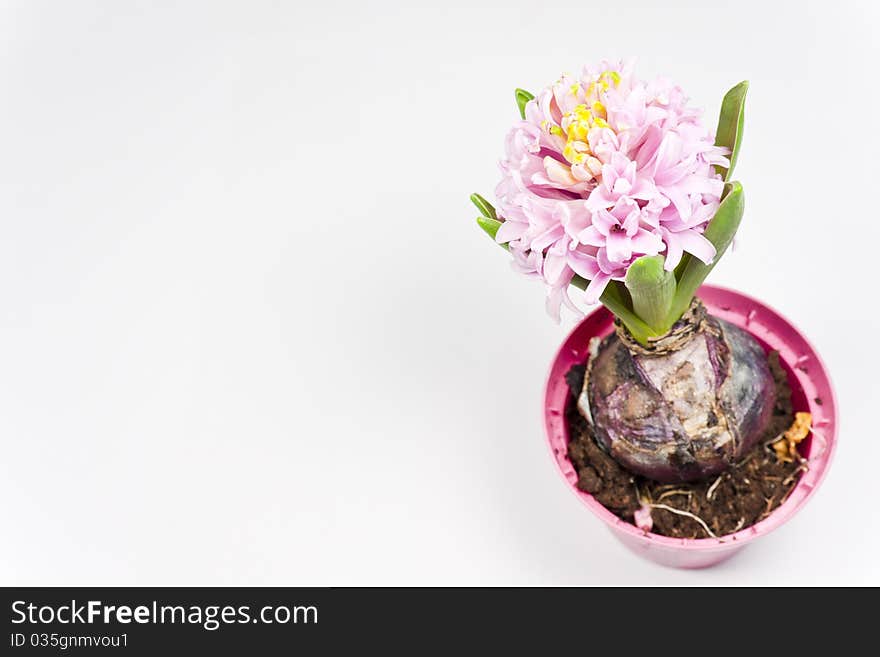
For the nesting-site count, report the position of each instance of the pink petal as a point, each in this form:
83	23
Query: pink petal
697	245
648	149
629	171
573	216
643	189
609	177
600	198
547	238
622	186
591	237
509	231
604	221
583	265
553	303
702	213
646	242
554	265
618	246
596	287
697	184
679	199
673	249
631	223
614	268
558	296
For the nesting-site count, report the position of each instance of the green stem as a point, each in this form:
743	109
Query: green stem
651	288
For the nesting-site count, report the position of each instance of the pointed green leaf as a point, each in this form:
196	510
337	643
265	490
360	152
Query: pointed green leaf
720	232
490	227
651	288
730	125
483	206
522	97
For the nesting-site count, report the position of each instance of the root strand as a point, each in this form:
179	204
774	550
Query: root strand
676	491
686	513
711	491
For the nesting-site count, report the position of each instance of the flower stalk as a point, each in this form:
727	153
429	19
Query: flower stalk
652	290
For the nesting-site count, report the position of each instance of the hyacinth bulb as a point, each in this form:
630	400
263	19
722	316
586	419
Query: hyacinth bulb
682	411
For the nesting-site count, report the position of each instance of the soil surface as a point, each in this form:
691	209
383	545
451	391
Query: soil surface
738	498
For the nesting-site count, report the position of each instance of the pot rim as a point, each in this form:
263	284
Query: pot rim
773	330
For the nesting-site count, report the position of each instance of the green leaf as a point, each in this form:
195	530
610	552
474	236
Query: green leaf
489	222
483	206
720	232
522	97
490	226
730	125
651	288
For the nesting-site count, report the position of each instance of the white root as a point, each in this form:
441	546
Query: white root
677	491
711	491
685	513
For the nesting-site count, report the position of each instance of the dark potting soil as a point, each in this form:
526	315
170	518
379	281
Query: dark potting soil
738	498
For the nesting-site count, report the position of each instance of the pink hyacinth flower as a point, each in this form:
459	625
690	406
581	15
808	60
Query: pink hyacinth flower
606	168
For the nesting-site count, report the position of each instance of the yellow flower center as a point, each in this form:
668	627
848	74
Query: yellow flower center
575	125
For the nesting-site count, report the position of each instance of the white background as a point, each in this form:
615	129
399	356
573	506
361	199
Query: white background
250	333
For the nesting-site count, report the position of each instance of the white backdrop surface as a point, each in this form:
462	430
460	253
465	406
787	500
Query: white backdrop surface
252	335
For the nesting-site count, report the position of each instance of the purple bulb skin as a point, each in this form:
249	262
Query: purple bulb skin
683	414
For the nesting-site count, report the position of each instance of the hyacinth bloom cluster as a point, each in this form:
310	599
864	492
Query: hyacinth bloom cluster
604	169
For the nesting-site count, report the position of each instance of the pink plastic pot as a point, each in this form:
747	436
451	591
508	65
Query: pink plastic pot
811	391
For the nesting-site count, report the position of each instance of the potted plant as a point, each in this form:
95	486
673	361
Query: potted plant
691	423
